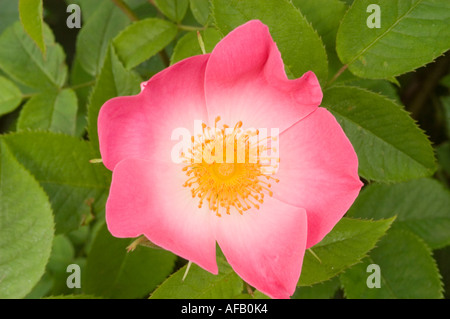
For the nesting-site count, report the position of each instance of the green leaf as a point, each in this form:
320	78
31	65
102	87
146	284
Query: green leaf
61	165
175	10
42	288
407	269
323	290
26	225
63	254
55	111
389	144
412	33
188	45
22	60
9	13
95	36
80	296
383	87
114	273
325	16
422	205
200	284
142	8
344	246
143	39
200	10
30	12
79	236
300	46
114	80
10	96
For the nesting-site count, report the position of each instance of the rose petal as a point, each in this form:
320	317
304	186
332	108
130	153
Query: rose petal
147	197
245	81
318	171
141	126
265	247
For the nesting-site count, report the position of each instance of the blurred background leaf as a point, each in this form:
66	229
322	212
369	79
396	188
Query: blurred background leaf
30	13
9	13
201	10
113	272
175	10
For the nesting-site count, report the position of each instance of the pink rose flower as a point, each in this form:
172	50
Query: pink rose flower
264	211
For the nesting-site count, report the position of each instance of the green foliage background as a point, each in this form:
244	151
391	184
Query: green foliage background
388	87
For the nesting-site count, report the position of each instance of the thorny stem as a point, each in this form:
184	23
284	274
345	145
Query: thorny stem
338	73
190	28
126	9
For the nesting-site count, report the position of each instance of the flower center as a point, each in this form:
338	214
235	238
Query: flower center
225	168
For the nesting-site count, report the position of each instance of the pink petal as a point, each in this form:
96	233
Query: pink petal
147	197
245	81
265	247
141	126
318	171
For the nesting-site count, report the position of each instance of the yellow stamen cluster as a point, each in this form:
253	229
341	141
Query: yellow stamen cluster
224	169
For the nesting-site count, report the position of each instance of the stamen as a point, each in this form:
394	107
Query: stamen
226	186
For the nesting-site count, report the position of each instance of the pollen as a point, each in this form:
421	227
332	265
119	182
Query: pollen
230	169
